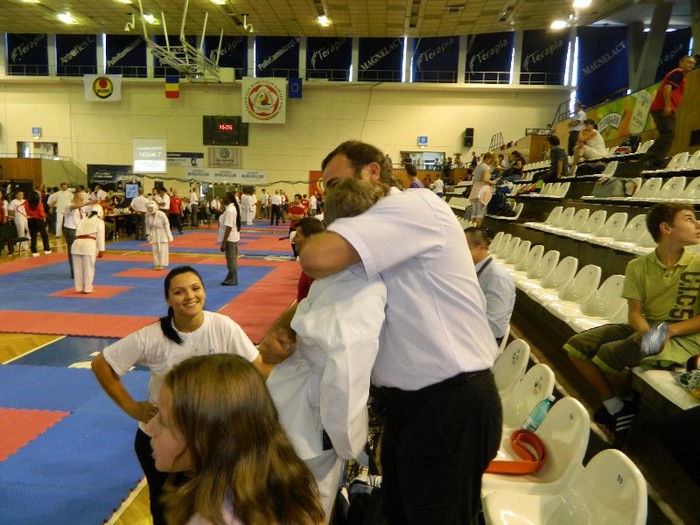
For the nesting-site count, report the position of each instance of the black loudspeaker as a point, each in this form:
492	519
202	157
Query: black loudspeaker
468	137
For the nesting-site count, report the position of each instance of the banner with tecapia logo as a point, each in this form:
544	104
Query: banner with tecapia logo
103	88
264	100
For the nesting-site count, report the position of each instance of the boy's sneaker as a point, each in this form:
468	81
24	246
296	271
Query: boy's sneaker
622	423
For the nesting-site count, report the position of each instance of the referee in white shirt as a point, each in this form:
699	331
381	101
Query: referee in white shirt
442	419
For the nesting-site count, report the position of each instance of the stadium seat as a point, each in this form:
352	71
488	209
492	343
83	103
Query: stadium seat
500	240
510	365
649	189
531	260
562	221
535	274
565	432
590	228
518	255
628	237
575	293
556	281
508	250
691	193
671	189
537	384
609	491
576	223
605	305
551	219
645	146
613	227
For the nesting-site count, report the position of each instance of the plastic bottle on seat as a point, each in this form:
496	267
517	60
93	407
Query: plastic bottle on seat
534	420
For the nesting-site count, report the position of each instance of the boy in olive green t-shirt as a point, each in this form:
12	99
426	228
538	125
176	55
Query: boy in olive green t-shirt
659	287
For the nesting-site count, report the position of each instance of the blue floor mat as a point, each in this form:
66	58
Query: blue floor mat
66	351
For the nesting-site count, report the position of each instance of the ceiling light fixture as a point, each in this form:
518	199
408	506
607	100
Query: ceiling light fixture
66	18
581	4
558	24
323	21
30	1
218	2
149	18
124	2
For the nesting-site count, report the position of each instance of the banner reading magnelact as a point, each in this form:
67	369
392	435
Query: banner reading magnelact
602	63
264	100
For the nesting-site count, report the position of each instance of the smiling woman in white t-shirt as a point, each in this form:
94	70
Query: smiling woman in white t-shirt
186	331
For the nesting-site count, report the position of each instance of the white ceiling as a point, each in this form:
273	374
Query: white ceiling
359	18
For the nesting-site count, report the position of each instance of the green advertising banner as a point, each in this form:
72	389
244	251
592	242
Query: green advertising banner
625	116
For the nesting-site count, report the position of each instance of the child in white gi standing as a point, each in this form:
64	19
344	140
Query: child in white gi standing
159	235
88	245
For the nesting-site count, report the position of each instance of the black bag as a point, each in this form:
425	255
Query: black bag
589	169
498	205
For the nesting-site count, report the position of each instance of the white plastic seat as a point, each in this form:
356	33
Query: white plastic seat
563	189
510	365
537	384
575	293
645	245
629	235
609	491
605	305
532	259
649	189
565	432
671	189
677	161
691	193
591	227
645	146
499	243
610	168
518	255
541	271
551	219
613	226
562	221
550	286
578	221
509	249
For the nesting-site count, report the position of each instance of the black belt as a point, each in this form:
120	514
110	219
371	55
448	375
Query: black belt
383	394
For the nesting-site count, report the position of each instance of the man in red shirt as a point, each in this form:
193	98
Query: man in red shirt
663	111
175	212
297	211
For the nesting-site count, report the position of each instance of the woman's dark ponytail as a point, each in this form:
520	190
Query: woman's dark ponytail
166	325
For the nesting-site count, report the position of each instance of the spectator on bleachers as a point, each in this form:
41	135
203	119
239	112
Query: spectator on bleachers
590	144
481	189
559	161
438	186
661	287
663	111
496	283
575	125
413	177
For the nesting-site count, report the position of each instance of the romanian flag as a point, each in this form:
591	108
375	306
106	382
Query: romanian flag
172	86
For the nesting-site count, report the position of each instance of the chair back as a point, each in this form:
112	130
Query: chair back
650	188
496	241
546	267
565	432
554	215
498	246
614	225
595	223
579	220
672	188
520	253
610	169
562	275
692	190
606	300
563	189
645	146
510	248
533	258
510	365
537	384
566	216
611	489
583	285
633	230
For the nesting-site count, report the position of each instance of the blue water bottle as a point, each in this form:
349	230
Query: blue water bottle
534	420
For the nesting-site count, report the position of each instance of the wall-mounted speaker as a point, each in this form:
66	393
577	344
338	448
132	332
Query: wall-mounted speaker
469	137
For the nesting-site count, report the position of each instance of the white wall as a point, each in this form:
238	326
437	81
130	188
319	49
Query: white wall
391	116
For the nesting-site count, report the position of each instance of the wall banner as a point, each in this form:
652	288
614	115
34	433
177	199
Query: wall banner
108	175
625	116
126	54
543	57
329	58
277	56
234	52
380	59
76	55
180	159
676	45
435	59
220	157
227	176
602	62
28	54
264	100
489	58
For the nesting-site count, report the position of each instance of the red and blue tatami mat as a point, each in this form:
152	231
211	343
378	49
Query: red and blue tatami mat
66	449
129	294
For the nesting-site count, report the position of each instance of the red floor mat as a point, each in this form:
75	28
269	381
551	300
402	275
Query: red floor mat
19	427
